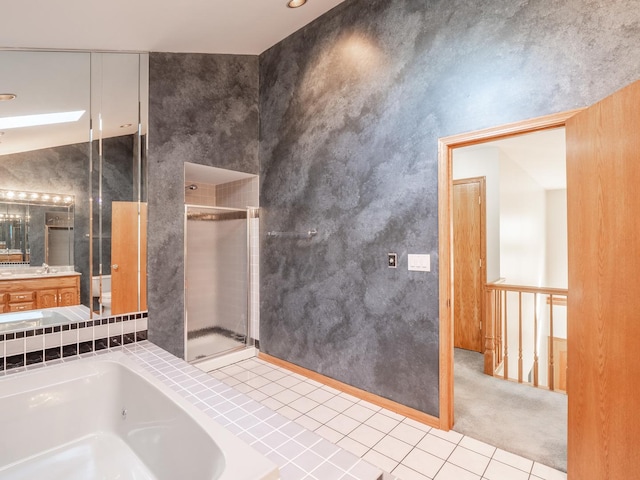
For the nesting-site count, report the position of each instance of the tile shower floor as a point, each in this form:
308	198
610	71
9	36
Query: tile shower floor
404	448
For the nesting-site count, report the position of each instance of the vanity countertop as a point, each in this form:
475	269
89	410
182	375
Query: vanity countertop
33	273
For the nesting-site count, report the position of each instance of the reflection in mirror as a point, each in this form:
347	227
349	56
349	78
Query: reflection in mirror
47	148
119	214
44	161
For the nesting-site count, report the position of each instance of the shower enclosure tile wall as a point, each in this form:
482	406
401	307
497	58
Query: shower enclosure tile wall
205	194
238	194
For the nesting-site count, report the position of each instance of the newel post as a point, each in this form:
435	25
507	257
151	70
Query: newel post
490	333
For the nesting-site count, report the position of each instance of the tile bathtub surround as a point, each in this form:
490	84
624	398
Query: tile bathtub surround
299	453
42	344
403	448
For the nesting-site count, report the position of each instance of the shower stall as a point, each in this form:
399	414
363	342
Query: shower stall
218	280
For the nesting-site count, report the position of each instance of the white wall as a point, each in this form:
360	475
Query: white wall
522	226
556	261
484	162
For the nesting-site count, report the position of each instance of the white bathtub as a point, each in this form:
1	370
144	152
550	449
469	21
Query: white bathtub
106	418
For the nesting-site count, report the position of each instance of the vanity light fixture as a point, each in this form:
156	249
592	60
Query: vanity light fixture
5	97
296	3
34	197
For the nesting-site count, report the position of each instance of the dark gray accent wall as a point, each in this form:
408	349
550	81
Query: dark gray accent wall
202	109
351	108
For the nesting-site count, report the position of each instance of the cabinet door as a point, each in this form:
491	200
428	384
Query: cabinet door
67	297
47	298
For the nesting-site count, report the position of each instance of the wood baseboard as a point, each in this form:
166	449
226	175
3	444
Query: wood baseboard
395	407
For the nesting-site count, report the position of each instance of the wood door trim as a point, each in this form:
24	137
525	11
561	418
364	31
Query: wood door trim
445	235
483	241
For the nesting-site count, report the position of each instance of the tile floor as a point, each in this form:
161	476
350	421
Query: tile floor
404	448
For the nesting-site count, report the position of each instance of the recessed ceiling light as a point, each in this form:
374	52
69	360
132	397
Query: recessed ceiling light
296	3
7	96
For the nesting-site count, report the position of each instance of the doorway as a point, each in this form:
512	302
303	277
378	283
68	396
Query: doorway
526	254
445	209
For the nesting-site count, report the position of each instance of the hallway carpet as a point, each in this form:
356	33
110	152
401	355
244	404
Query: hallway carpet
527	421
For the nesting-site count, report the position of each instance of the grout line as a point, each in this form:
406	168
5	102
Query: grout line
382	411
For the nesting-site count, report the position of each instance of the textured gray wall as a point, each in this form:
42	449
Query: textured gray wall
351	108
202	109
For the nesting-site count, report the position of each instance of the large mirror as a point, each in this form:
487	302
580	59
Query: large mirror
72	185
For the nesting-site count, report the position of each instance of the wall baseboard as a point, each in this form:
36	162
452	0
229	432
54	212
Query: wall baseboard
395	407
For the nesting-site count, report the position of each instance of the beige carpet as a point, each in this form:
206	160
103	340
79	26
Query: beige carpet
517	418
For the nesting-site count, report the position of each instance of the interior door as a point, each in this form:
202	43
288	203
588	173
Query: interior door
468	254
603	173
125	239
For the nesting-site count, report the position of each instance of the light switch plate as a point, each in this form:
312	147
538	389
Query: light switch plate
419	262
392	260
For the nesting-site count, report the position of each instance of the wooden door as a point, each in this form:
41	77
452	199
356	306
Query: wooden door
124	257
468	258
603	174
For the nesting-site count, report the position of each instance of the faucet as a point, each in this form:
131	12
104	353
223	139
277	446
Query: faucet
45	267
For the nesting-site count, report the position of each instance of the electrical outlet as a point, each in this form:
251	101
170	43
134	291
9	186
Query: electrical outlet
392	260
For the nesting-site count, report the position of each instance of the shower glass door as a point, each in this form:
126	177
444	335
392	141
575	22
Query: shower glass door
216	281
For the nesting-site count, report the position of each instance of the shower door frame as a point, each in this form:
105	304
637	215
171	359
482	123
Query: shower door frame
249	338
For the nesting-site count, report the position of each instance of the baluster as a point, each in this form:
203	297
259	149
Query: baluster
535	339
551	370
519	337
506	338
498	319
499	327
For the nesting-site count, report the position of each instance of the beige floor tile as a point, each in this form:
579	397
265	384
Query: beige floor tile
393	448
379	460
422	462
452	472
436	446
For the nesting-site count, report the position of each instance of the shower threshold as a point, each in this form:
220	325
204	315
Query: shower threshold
225	358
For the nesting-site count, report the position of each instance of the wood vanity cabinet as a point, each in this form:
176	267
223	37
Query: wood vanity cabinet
57	297
43	292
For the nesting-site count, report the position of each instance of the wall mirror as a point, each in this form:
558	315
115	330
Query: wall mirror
72	185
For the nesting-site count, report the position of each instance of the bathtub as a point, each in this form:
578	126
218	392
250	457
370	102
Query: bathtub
105	418
31	319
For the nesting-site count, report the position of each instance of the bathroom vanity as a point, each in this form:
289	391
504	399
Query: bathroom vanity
29	291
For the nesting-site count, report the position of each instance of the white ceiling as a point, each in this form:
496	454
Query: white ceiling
541	154
199	26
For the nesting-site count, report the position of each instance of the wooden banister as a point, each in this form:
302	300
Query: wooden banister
497	335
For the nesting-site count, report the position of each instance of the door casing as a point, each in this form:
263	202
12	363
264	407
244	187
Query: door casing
445	236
